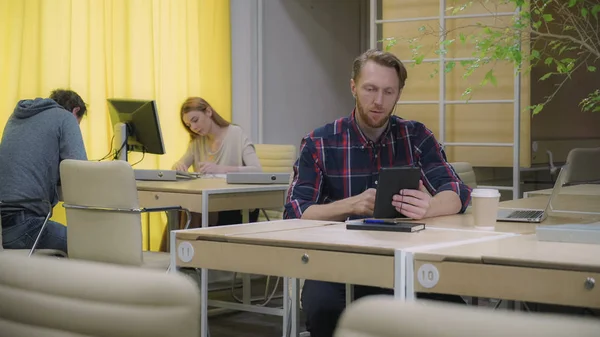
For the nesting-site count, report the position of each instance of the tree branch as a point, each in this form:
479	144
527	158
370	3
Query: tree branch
568	37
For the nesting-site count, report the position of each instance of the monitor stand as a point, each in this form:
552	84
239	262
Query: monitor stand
120	132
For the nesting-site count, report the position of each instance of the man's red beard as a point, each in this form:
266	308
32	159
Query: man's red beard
364	116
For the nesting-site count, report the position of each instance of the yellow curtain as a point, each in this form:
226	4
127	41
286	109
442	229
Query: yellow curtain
164	50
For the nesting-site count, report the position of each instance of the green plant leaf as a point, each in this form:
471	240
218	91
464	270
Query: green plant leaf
446	43
449	66
537	108
592	102
489	77
548	17
572	3
545	77
584	12
591	68
595	11
548	61
466	63
462	37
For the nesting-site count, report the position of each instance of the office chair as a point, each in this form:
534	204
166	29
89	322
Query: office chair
42	296
583	166
104	216
384	316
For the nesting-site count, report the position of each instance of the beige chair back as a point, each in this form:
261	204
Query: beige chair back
466	173
384	316
96	235
276	157
43	296
583	165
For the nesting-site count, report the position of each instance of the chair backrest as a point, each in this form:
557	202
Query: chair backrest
276	157
466	173
114	237
584	164
384	316
43	296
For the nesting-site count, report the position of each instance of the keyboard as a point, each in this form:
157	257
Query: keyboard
529	214
187	175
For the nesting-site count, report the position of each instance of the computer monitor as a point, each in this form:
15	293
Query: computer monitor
136	126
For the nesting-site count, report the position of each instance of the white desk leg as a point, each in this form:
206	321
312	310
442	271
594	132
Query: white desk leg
204	302
204	275
295	295
246	289
173	253
286	307
246	281
400	274
172	224
410	276
204	209
349	293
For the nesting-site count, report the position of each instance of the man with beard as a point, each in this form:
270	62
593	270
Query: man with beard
336	174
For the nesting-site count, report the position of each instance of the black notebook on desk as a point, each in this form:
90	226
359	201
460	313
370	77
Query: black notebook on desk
386	225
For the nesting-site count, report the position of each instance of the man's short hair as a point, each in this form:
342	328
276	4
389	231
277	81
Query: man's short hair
382	58
69	100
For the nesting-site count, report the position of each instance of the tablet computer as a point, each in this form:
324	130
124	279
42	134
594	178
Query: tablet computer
391	181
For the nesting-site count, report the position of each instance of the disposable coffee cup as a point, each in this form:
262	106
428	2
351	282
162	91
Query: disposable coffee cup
485	206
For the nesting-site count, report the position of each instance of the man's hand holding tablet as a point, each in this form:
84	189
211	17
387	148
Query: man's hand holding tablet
413	203
398	194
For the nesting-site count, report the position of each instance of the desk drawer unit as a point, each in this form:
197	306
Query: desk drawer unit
246	200
543	285
193	202
363	269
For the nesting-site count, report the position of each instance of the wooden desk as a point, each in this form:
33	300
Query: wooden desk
467	222
316	250
326	251
589	189
334	253
195	194
514	268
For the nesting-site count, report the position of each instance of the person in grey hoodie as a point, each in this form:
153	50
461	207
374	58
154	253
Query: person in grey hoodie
37	137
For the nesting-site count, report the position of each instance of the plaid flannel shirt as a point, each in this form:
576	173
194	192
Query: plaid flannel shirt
337	161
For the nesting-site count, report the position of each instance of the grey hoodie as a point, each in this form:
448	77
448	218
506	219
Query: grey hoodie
38	135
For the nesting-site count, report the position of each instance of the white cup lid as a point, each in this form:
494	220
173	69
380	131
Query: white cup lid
485	193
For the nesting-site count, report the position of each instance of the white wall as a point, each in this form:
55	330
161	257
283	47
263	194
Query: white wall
307	51
244	65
